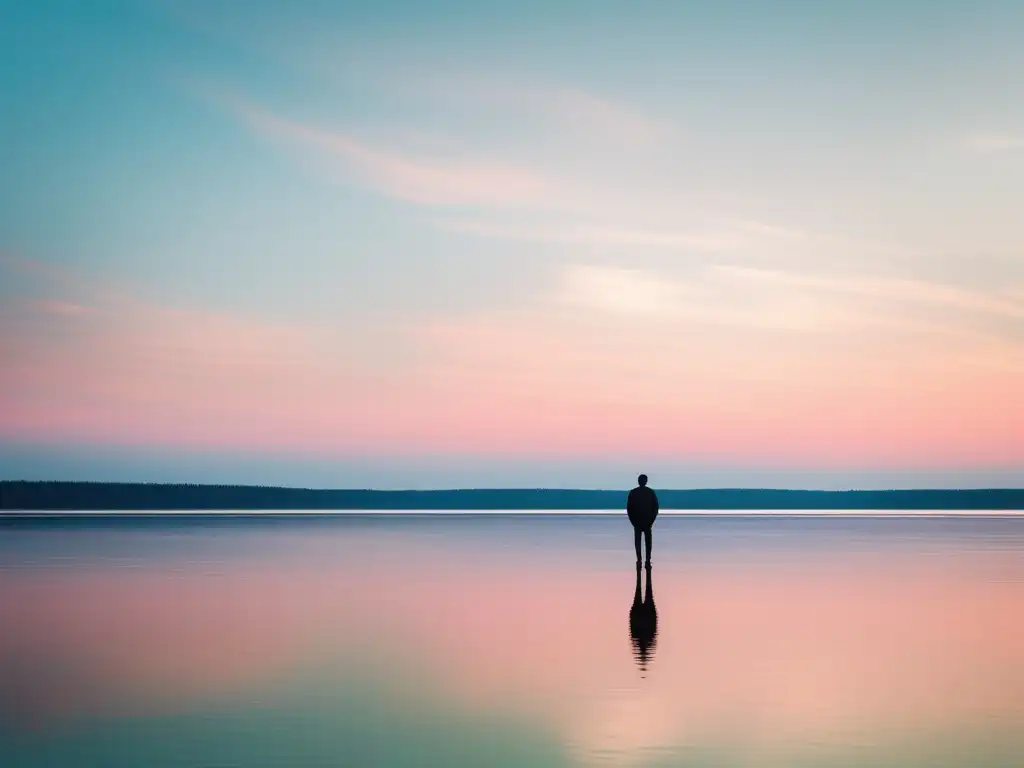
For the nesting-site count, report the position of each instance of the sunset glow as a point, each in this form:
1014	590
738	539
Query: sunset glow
354	238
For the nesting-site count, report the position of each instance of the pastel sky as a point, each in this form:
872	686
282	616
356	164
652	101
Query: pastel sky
434	243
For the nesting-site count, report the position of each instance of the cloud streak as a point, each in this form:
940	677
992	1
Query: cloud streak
907	290
995	142
583	234
759	301
621	291
456	177
411	178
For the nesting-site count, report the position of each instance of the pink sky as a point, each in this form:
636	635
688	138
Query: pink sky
364	234
91	364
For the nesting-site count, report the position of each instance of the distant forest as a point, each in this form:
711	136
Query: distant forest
58	496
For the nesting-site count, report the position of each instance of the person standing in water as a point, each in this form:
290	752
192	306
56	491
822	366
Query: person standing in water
642	509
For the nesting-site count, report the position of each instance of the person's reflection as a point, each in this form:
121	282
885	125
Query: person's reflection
643	622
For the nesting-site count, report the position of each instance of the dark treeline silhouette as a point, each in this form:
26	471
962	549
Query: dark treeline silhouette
20	495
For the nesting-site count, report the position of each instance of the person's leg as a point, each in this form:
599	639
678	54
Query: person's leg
647	536
636	542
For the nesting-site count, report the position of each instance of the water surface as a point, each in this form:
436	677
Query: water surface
465	639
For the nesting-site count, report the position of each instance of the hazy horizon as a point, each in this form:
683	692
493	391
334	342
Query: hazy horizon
105	464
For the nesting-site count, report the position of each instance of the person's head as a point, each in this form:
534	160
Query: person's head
642	479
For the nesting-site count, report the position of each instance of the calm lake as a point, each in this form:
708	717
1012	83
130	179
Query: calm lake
511	639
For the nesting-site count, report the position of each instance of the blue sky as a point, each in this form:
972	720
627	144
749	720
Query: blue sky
730	240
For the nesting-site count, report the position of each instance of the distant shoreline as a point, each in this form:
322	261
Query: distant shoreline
55	497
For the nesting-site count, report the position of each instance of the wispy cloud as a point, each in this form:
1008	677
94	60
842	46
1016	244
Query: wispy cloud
705	298
404	176
741	304
600	214
438	170
620	290
908	290
994	142
572	233
568	111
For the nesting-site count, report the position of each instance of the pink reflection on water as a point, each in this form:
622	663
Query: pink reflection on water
827	646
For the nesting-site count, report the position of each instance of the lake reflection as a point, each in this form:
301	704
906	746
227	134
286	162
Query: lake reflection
484	640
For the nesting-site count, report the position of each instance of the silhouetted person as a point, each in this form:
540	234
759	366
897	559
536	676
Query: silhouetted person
643	622
642	510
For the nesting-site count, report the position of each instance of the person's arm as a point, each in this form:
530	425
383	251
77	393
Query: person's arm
631	503
654	498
